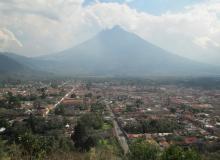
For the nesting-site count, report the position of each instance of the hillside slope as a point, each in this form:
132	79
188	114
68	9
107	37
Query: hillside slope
10	67
118	52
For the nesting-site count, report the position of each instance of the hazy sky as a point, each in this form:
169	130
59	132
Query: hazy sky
190	28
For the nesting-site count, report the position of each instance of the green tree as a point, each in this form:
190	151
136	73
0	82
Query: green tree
92	120
59	110
88	95
3	153
89	143
43	92
65	144
79	136
173	153
142	150
84	136
178	153
173	110
37	146
4	123
13	101
41	125
13	132
98	108
138	102
191	154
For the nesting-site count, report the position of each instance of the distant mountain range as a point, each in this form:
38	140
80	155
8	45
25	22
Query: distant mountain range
114	52
19	67
8	65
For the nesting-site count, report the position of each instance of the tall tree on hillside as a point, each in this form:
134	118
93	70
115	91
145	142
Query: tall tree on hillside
142	150
79	136
178	153
3	153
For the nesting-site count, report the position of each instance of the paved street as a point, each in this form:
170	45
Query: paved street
119	134
60	101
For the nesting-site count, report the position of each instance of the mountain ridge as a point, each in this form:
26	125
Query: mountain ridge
118	52
8	65
14	66
114	52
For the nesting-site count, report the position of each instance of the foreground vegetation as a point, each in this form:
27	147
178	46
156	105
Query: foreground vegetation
142	150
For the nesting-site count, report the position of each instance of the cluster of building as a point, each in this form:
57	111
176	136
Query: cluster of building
195	110
35	98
